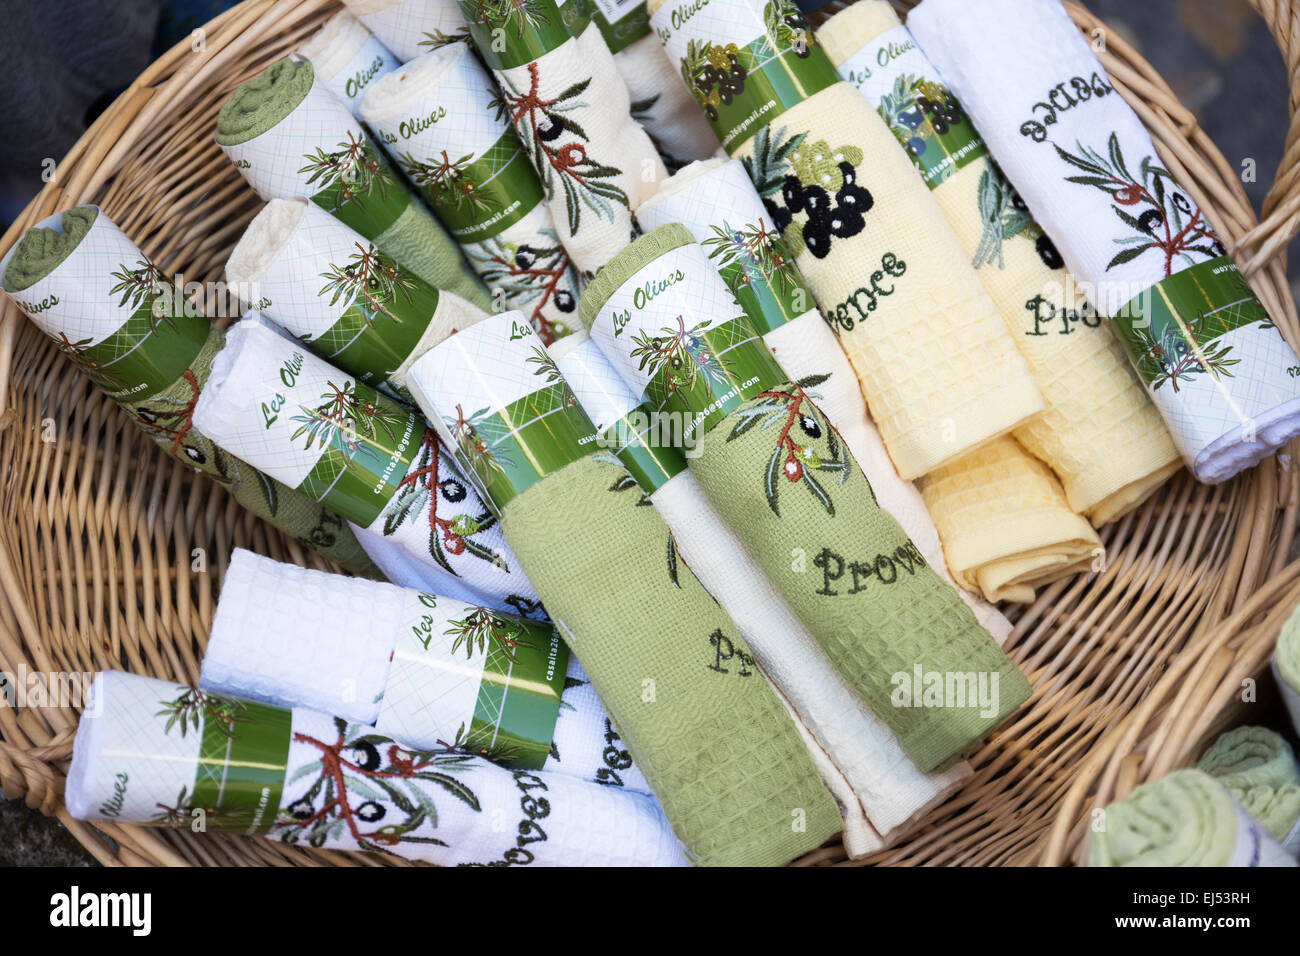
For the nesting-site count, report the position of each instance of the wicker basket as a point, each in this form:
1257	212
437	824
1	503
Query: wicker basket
97	527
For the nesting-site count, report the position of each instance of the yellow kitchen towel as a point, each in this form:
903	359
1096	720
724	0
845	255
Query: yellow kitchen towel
1100	433
939	370
1005	524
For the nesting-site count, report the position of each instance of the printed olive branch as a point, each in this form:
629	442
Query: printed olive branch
480	628
353	166
754	248
373	277
445	178
192	708
683	353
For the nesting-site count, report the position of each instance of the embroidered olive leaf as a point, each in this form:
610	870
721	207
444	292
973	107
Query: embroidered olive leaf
812	381
268	492
486	554
625	482
672	561
1128	255
818	492
770	477
1128	220
452	786
1090	181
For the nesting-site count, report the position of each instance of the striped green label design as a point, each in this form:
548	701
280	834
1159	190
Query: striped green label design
1170	330
356	185
390	311
619	30
759	270
478	197
152	348
243	752
511	449
646	447
705	371
527	29
370	441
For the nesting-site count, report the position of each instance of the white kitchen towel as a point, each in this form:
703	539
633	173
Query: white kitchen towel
868	754
411	27
572	111
715	200
435	116
153	752
426	669
338	294
1143	253
371	457
661	103
347	58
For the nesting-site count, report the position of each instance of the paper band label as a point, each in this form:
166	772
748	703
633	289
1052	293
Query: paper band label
620	22
504	408
488	683
114	314
745	65
170	755
349	302
528	29
625	424
320	151
1207	352
922	113
675	331
368	64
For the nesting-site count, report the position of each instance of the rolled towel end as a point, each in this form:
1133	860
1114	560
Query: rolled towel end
332	47
397	92
258	104
682	180
851	29
41	249
623	266
262	242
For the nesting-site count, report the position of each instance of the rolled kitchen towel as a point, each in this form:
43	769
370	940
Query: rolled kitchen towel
428	670
572	111
940	372
1260	771
289	136
1005	524
678	679
347	59
127	326
1214	363
436	116
412	27
864	754
367	456
1099	433
1185	818
660	102
153	752
779	475
715	200
1286	666
346	300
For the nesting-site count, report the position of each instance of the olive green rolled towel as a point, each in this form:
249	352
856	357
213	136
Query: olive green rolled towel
1259	769
712	738
290	136
1286	666
115	315
1186	818
778	473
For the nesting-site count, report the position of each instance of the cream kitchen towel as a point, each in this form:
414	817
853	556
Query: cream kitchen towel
412	27
370	457
435	115
1099	433
153	752
940	373
1005	524
425	669
1146	256
572	111
289	136
347	58
715	200
867	755
338	294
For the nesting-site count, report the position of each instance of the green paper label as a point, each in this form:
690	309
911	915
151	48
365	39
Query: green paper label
743	88
356	185
511	33
922	113
758	268
645	446
146	355
370	441
620	22
478	197
518	702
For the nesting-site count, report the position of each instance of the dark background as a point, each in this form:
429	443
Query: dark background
65	61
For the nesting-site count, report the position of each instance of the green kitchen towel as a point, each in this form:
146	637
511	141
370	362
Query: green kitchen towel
1286	666
115	315
289	136
779	474
1186	818
1260	771
709	733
